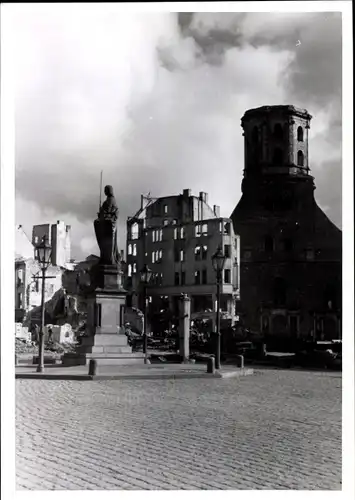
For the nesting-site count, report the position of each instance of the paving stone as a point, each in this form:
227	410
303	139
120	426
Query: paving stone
275	430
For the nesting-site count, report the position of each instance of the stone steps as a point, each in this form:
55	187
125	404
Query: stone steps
107	359
104	349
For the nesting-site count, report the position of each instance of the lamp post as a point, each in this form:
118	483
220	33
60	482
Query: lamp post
218	262
43	256
145	276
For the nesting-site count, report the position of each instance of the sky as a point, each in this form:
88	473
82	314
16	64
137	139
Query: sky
155	101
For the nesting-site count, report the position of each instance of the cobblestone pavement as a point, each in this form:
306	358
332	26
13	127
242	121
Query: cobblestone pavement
274	430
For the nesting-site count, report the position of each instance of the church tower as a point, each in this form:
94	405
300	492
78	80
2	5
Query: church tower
290	250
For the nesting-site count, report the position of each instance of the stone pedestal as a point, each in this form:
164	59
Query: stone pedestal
184	327
105	340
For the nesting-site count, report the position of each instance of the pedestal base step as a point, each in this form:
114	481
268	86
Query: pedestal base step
104	349
107	359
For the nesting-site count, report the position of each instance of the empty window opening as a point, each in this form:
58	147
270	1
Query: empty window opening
197	277
300	134
134	231
165	209
227	251
227	275
300	159
177	279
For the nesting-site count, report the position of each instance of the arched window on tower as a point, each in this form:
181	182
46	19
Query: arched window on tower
300	134
300	159
278	131
278	156
279	292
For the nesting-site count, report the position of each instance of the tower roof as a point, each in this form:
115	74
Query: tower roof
287	109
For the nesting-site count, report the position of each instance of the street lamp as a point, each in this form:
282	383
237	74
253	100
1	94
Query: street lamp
145	276
218	262
43	256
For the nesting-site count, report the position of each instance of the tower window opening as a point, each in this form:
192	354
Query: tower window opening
278	156
278	131
300	159
300	134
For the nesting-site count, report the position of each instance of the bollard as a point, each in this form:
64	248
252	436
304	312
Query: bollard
211	365
92	367
240	361
263	350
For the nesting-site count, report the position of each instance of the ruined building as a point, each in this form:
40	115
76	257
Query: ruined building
176	237
27	270
58	237
291	253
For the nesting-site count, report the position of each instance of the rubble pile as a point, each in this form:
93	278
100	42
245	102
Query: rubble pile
30	347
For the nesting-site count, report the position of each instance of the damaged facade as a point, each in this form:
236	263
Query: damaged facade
176	237
291	253
28	272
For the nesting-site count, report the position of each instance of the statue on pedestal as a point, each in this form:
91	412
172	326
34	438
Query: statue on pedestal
106	230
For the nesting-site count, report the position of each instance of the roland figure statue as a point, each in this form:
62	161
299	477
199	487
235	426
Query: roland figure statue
106	230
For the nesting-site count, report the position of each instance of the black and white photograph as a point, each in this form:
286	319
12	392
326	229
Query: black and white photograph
177	247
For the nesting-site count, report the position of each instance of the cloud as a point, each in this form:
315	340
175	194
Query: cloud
155	101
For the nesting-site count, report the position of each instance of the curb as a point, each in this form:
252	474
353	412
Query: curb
136	376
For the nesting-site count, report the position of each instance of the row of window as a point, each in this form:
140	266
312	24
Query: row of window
179	232
269	244
180	277
278	133
157	256
287	246
200	277
278	157
201	252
